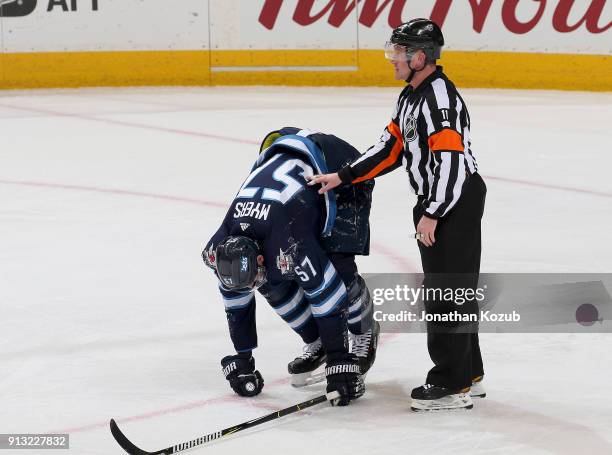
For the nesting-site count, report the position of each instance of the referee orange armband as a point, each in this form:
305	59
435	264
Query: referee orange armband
447	139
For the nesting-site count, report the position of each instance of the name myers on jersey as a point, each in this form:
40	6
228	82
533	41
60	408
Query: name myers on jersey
258	210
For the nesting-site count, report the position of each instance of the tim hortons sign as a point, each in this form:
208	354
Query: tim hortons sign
588	12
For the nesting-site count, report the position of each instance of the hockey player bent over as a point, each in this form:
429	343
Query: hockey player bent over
297	249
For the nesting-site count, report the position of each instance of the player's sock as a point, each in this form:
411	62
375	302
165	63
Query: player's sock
364	347
304	365
430	397
477	390
360	310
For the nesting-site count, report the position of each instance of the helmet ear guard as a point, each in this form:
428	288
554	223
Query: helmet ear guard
432	53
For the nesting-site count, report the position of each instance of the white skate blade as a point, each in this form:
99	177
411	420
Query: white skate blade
477	390
306	379
456	401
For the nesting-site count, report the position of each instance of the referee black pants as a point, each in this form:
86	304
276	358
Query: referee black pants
453	262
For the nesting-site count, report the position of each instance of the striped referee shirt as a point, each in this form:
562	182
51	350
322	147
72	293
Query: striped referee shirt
429	134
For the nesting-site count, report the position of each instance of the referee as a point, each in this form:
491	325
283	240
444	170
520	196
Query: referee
430	134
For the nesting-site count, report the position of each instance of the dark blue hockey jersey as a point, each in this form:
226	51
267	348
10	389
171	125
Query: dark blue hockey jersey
288	219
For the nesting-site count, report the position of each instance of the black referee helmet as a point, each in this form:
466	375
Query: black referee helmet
420	34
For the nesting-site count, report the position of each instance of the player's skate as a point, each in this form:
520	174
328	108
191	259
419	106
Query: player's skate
303	368
364	347
477	390
430	397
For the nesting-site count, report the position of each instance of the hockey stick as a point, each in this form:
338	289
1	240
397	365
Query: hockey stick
130	448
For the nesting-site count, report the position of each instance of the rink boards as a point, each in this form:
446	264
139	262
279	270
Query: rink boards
75	43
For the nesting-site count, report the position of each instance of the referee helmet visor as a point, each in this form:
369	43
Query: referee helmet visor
398	52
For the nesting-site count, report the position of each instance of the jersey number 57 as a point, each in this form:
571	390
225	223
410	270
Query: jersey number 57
300	270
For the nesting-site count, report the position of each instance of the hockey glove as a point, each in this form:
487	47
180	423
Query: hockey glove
342	372
240	371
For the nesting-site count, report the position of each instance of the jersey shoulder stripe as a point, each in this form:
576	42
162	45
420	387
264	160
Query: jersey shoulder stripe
396	150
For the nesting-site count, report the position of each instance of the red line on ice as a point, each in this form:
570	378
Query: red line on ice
404	265
195	404
117	191
252	142
182	408
130	124
549	186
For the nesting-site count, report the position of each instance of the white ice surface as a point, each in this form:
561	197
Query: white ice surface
106	310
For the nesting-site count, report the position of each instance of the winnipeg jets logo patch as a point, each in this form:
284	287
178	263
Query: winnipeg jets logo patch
244	226
410	128
284	261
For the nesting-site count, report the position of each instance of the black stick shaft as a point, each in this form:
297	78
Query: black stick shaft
130	448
